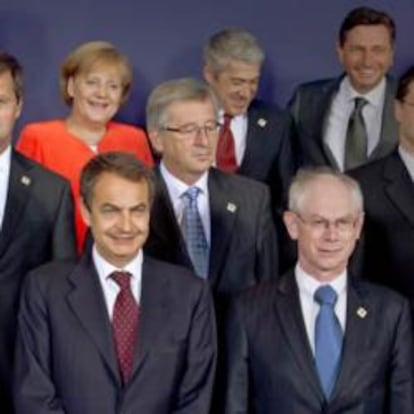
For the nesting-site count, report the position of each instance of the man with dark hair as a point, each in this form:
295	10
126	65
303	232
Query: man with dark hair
254	138
349	121
320	340
388	188
116	332
36	219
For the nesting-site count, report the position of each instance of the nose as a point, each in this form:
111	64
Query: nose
102	90
331	232
125	222
202	137
367	58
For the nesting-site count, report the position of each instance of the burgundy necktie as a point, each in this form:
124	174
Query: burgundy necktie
125	320
226	155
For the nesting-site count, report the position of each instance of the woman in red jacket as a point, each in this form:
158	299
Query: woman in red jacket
95	80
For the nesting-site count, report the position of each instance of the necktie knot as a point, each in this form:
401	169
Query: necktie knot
191	194
360	103
122	279
227	121
326	295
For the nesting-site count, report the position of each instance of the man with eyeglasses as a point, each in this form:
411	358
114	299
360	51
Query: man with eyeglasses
217	224
387	249
320	340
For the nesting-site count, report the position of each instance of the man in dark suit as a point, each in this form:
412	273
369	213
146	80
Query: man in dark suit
116	332
36	219
318	340
260	132
324	111
234	244
387	248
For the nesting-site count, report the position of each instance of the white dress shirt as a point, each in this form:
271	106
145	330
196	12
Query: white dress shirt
307	286
5	159
109	287
340	111
238	126
408	161
176	188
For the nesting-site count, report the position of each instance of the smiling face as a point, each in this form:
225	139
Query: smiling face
366	55
187	156
96	94
235	86
118	216
326	228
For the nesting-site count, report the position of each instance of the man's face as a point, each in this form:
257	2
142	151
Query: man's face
235	86
190	149
10	109
366	55
326	228
404	113
119	217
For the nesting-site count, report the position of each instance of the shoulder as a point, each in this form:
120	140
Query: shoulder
45	176
317	85
372	171
43	129
125	130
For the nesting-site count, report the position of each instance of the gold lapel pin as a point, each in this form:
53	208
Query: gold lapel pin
261	122
25	180
231	207
362	312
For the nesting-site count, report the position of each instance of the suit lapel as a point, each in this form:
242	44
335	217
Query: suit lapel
358	318
154	311
223	212
388	136
288	309
399	187
19	191
87	302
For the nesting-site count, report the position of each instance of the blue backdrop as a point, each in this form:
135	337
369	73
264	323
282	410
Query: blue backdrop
164	39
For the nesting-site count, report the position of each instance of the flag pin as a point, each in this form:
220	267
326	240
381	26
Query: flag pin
25	180
231	207
362	312
261	122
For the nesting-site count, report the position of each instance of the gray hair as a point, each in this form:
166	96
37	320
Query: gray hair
165	94
232	44
306	176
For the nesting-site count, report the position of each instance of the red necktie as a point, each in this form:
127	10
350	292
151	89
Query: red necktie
125	320
226	155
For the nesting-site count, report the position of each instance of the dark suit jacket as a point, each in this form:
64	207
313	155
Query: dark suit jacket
271	366
268	157
388	239
65	357
243	247
37	227
309	108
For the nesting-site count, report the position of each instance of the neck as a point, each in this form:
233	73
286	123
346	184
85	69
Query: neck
89	132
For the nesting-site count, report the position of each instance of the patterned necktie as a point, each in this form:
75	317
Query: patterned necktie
328	338
226	154
193	232
356	145
125	321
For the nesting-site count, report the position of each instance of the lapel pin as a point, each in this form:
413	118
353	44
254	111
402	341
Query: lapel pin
231	207
261	122
25	180
362	312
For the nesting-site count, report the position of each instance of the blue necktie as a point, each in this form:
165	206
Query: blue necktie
328	338
193	232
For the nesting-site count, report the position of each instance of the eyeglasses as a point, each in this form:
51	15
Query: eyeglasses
320	224
191	131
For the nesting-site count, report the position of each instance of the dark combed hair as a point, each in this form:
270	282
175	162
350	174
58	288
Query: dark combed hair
9	63
122	164
366	16
404	83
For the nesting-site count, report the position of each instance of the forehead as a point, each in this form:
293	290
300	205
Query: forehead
103	68
191	111
327	196
242	70
117	190
369	35
6	83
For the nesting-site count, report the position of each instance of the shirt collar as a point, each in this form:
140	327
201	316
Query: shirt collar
5	159
236	118
408	161
308	284
104	268
375	96
176	187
